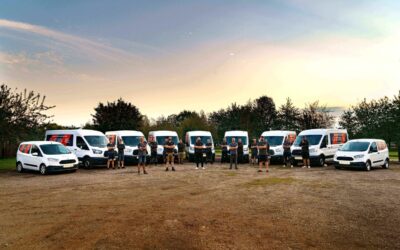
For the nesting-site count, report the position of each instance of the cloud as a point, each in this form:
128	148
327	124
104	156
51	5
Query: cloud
83	45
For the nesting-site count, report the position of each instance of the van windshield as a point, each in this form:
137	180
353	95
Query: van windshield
161	139
99	141
312	139
355	146
54	149
274	140
243	138
204	139
131	141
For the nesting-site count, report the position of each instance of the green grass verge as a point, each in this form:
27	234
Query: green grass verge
7	164
269	181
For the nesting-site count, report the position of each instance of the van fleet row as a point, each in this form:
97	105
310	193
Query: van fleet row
89	148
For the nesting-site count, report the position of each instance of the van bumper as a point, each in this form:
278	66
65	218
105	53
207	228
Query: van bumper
53	168
359	164
276	158
98	160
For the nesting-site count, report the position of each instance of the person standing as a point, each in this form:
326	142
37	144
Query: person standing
263	148
111	155
254	152
224	151
169	152
233	150
121	153
286	152
142	153
240	150
198	153
181	151
153	148
305	153
165	151
208	149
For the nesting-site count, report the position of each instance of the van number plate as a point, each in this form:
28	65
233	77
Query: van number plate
344	162
68	165
298	158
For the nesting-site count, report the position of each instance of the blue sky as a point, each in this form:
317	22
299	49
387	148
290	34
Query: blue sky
227	51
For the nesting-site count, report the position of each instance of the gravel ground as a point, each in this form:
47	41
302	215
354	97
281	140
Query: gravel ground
214	208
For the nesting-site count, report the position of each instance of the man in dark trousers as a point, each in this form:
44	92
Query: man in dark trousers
208	150
240	150
198	153
305	153
263	148
233	150
153	148
224	151
254	151
286	152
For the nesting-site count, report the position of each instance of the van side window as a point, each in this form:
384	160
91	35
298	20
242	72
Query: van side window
65	139
373	147
35	149
24	148
80	143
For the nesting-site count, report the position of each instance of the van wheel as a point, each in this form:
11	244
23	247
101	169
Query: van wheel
86	162
386	164
42	169
321	161
368	166
20	168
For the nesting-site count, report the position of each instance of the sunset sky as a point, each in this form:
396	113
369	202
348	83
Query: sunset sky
166	56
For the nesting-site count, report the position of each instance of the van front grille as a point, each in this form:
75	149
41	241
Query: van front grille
344	158
67	161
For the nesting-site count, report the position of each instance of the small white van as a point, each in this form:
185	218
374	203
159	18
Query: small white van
362	153
190	140
131	139
45	157
323	144
160	136
238	134
88	145
275	139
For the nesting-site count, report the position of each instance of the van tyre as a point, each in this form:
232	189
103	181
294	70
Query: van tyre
321	161
86	162
20	168
43	169
386	164
368	166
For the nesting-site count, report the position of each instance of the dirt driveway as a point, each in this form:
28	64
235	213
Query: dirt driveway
214	208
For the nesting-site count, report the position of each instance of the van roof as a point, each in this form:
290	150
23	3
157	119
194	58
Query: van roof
125	132
322	131
198	132
39	142
163	133
74	131
366	140
236	133
277	133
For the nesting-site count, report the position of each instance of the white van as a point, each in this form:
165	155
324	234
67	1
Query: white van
238	134
160	136
131	139
88	145
323	144
362	153
190	140
45	157
275	139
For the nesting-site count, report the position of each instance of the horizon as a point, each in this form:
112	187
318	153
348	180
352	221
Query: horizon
165	57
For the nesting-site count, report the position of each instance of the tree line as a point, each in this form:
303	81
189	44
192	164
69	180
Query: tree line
24	116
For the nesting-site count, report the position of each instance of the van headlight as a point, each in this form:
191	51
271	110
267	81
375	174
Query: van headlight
52	159
358	156
96	151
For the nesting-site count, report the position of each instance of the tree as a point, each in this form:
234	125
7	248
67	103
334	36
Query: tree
348	121
288	117
315	116
22	116
117	115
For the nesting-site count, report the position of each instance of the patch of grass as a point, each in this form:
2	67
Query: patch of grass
269	181
7	164
393	155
